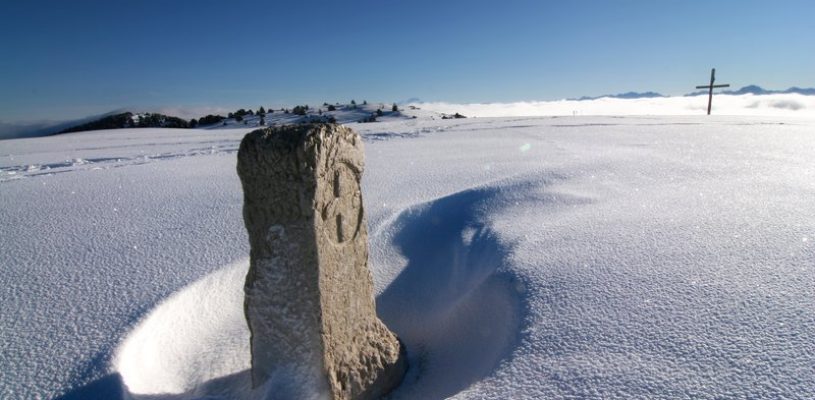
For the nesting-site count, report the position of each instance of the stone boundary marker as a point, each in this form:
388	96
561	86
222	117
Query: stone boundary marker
309	294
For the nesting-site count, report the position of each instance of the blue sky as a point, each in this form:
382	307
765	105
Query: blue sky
64	59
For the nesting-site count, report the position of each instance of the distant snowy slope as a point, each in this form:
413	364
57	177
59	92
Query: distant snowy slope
565	257
28	129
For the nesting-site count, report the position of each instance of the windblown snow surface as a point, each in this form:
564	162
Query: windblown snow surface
573	257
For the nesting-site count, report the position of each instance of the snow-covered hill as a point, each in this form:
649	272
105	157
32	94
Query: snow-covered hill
583	257
342	113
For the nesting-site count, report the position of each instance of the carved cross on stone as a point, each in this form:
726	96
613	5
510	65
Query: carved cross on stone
309	294
342	210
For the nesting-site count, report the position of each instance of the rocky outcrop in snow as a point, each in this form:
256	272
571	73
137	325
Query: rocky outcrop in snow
309	294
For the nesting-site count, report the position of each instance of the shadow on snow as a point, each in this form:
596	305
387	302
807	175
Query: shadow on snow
454	307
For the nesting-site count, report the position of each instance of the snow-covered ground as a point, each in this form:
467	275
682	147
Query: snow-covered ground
587	257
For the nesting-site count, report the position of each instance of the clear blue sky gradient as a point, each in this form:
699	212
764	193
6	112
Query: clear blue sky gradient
62	59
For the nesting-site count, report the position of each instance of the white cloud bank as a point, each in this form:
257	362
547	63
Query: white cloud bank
752	105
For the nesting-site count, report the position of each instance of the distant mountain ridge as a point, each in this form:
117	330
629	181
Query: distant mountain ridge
626	95
749	89
758	90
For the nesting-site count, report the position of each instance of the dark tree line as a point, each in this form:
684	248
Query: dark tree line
160	121
129	120
209	120
299	110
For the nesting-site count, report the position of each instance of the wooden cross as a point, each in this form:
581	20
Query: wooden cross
710	87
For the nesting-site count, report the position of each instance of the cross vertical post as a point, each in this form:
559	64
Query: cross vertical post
710	87
710	93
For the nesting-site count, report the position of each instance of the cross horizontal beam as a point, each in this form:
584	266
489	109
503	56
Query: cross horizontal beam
714	86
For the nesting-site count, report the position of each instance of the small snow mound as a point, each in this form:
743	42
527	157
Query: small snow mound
196	339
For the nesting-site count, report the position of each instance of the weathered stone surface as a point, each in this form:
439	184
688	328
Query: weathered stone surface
309	294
